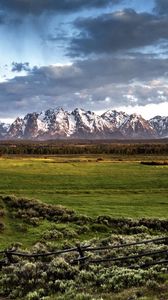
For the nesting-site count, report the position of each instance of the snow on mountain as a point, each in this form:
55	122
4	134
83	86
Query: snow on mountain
51	123
88	123
56	122
3	129
71	124
59	123
137	127
114	118
160	124
16	130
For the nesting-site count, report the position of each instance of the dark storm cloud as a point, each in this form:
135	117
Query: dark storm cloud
2	19
37	7
102	83
161	7
19	67
118	31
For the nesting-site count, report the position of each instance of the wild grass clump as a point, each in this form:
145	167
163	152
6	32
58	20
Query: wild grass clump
36	279
132	226
32	211
30	278
56	275
61	275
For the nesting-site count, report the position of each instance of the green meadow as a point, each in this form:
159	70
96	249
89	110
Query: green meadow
104	200
107	187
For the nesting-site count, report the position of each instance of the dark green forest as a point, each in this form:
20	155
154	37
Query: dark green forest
158	147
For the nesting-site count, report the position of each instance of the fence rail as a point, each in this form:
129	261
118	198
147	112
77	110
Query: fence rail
82	260
121	258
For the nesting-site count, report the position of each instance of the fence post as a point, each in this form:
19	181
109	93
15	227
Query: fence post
9	257
81	256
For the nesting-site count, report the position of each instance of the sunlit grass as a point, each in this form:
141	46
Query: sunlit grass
122	188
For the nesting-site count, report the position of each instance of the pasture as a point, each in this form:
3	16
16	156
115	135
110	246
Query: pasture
106	187
130	197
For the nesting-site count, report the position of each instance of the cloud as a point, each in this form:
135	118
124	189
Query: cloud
92	84
2	19
147	111
37	7
19	67
161	7
118	31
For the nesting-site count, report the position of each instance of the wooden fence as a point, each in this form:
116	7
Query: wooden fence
83	259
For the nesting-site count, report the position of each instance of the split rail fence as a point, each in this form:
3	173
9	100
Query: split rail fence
83	259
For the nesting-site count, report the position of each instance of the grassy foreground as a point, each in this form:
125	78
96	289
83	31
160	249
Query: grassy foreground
49	228
125	190
115	188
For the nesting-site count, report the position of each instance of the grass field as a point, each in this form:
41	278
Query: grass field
116	188
119	187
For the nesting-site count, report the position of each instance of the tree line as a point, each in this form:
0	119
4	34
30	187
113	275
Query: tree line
68	149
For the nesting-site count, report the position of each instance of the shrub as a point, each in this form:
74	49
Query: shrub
31	211
58	268
33	296
52	235
2	213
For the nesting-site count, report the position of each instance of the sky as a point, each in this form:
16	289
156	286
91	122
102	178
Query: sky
92	54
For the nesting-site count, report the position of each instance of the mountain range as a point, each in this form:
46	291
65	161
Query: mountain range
61	124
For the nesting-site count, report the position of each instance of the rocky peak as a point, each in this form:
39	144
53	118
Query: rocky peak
160	124
115	118
58	123
16	129
87	122
137	127
31	125
3	129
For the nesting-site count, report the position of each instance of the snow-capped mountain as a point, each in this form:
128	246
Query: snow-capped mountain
160	124
59	123
3	129
115	119
49	123
137	127
88	124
